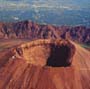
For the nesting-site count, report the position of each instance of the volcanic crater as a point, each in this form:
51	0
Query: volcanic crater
45	64
46	52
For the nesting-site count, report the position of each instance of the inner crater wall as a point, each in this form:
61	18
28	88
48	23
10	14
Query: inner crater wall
46	52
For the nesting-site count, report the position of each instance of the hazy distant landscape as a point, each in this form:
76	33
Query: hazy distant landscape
46	11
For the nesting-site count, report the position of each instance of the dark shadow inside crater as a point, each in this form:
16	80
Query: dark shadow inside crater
60	56
49	54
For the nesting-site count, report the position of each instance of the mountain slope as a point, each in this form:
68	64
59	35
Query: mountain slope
31	30
18	74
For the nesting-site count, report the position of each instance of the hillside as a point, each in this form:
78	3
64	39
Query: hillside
19	72
31	30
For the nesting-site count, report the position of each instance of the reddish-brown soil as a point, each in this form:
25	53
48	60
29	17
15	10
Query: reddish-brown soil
17	71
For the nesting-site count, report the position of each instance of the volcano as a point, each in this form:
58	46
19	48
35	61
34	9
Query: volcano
45	64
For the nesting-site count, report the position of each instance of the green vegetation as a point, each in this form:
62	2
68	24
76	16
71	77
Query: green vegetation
86	46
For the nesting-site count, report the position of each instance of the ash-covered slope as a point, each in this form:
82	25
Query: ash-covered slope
31	30
19	73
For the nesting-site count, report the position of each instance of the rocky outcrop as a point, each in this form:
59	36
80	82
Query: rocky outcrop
18	72
31	30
